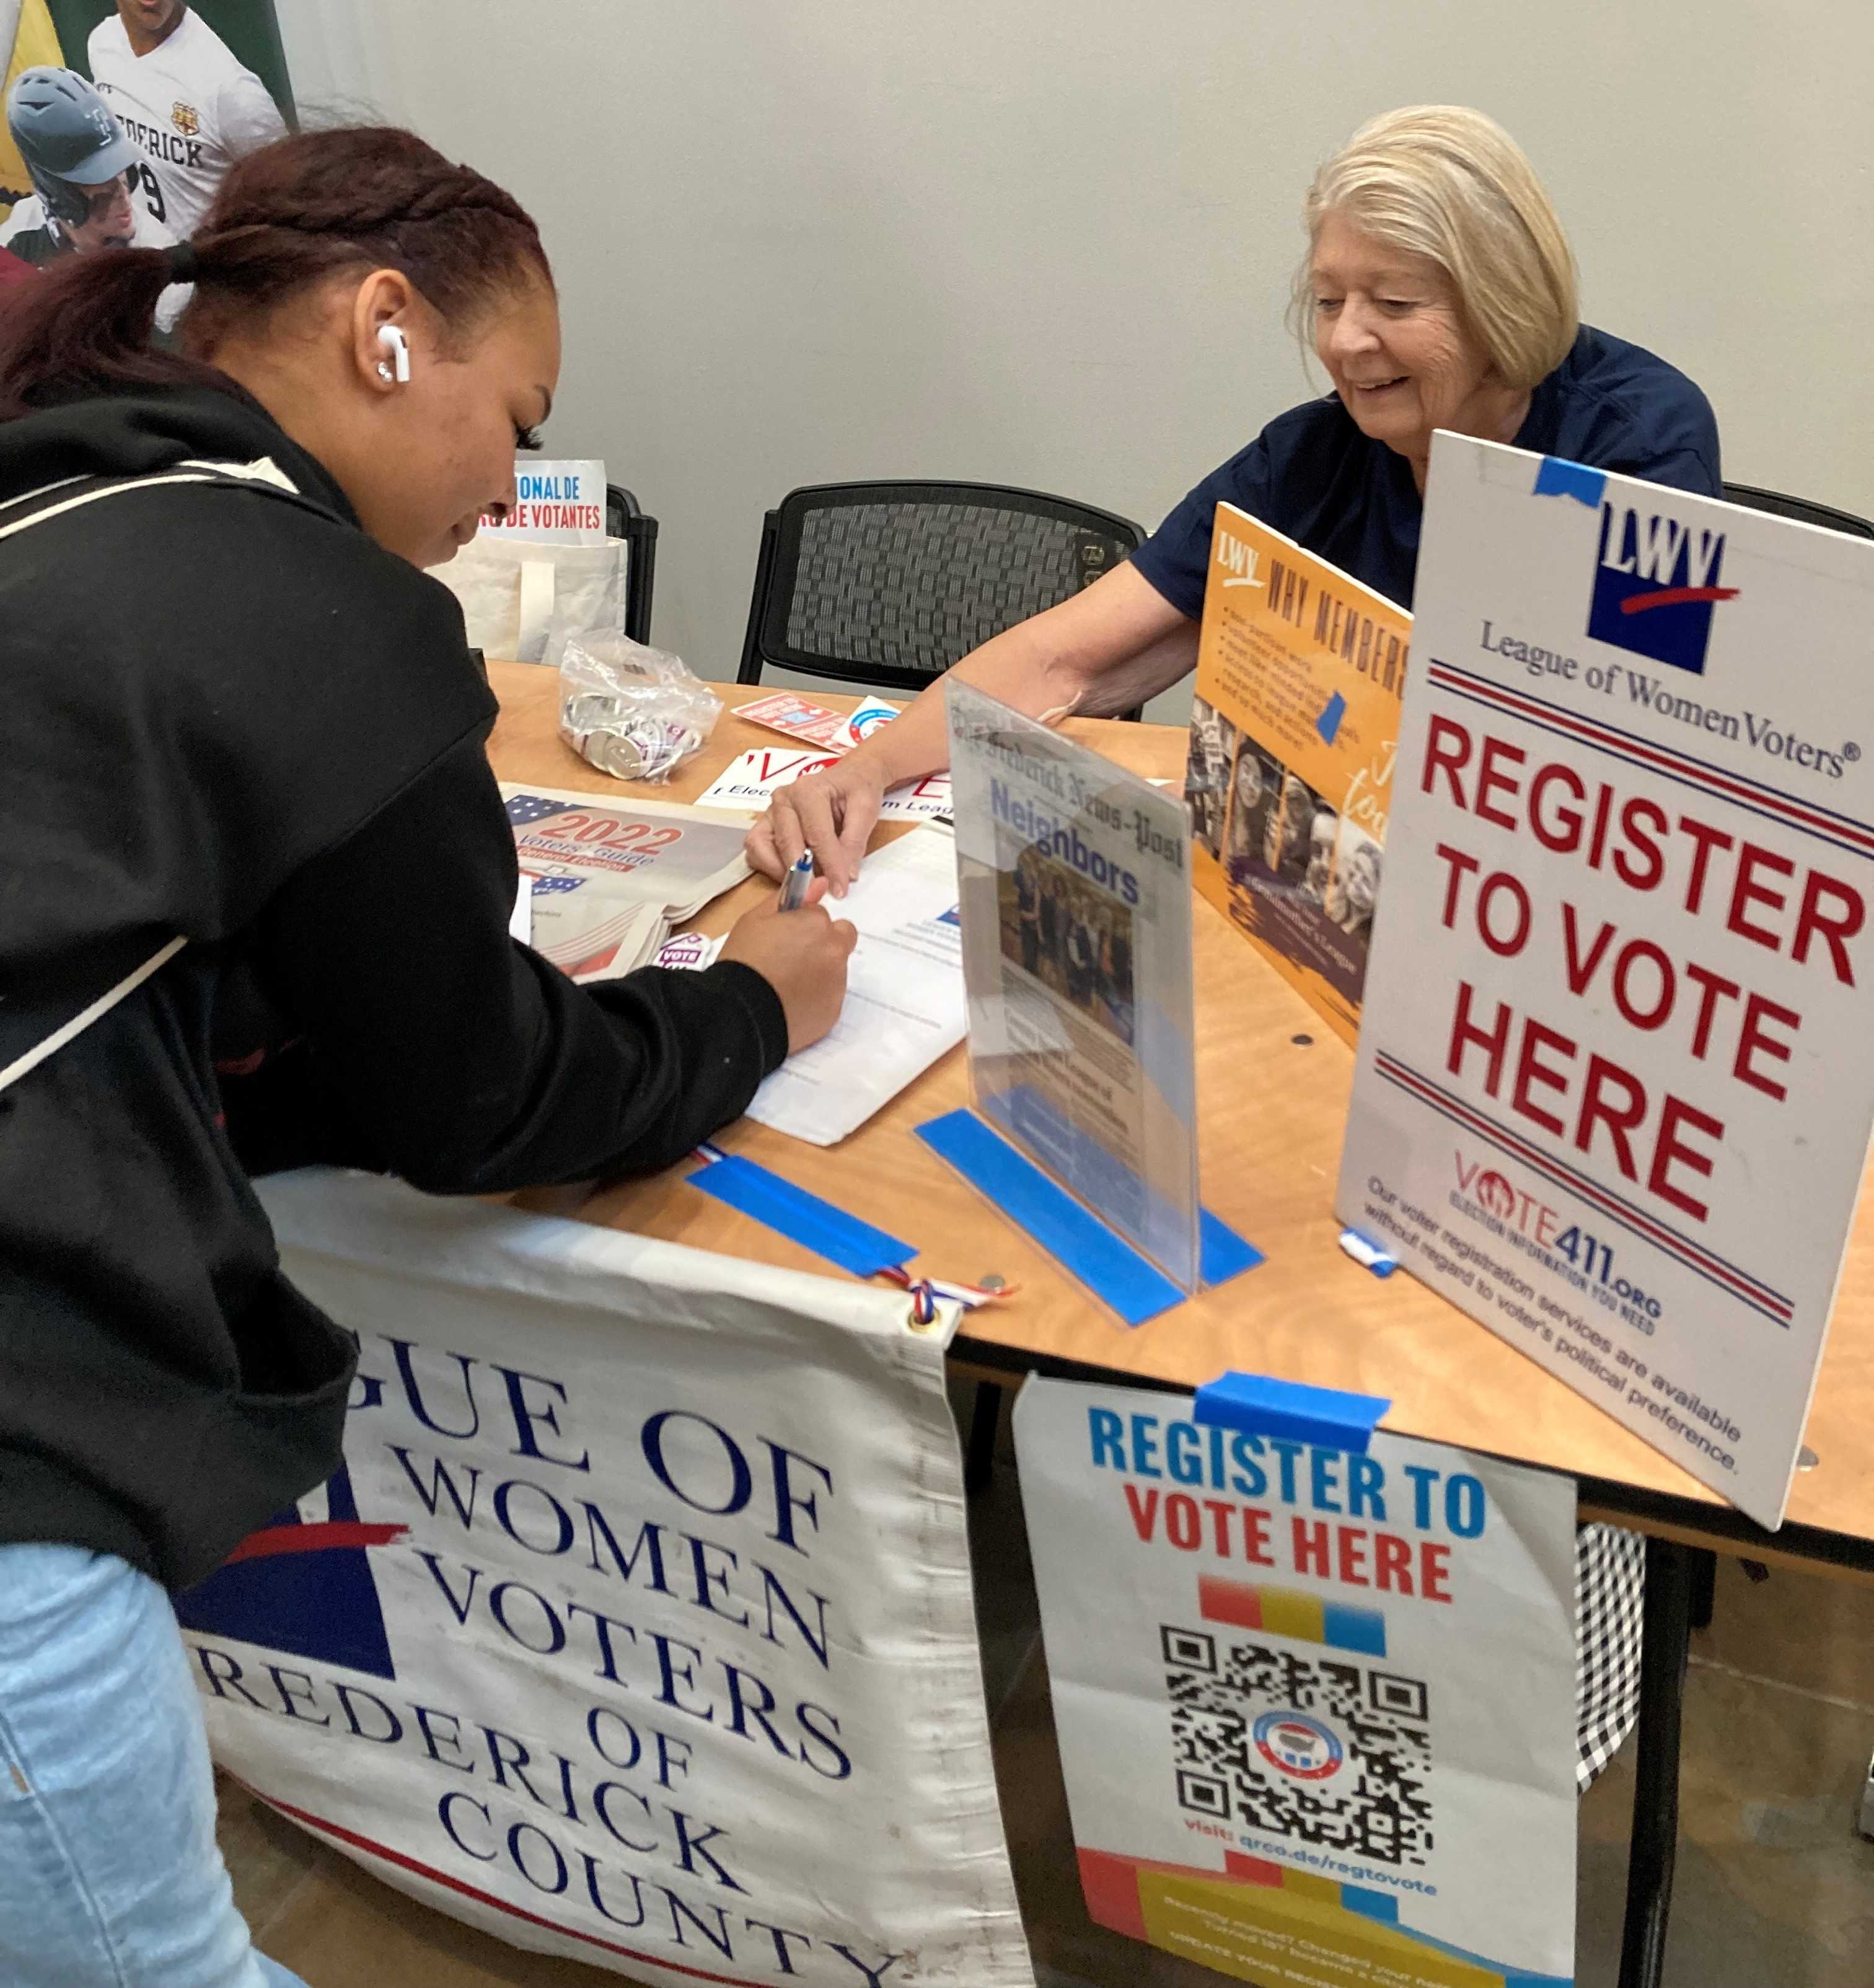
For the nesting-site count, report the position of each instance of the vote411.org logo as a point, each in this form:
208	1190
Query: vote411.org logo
1656	580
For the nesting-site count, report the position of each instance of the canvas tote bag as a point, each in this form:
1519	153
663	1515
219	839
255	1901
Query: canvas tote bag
515	594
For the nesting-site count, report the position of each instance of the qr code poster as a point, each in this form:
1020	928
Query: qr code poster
1316	1709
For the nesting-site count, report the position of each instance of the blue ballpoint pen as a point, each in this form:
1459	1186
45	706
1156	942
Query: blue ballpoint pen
794	884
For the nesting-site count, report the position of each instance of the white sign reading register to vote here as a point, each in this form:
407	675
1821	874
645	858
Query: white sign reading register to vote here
1616	1073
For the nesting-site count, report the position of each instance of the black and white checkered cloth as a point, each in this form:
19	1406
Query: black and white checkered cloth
1610	1610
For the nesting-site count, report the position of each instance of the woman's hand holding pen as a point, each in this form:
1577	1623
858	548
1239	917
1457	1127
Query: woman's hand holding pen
802	954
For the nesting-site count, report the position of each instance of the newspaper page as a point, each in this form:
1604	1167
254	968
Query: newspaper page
1076	906
1299	673
1316	1708
904	1005
610	878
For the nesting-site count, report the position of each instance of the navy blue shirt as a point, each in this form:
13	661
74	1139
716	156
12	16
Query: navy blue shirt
1313	477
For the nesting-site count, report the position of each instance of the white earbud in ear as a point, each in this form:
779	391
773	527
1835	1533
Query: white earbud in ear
391	338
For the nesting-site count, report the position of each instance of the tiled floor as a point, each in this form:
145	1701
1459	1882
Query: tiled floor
1774	1889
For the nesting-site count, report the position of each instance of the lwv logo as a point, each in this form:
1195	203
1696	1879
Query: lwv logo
1655	585
1243	564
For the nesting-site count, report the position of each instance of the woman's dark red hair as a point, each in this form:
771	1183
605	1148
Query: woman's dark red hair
286	216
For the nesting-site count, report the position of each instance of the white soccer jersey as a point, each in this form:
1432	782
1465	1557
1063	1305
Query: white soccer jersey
190	105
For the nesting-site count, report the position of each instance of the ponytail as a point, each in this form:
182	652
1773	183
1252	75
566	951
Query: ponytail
286	216
83	328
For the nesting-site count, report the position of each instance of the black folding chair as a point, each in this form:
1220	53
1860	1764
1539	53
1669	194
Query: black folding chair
624	518
1800	508
888	584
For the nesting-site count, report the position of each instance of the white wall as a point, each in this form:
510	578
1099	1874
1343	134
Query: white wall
1048	244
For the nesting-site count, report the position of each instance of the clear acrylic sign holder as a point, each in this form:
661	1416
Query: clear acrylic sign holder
1074	895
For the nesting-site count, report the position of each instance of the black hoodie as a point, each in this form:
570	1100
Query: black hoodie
227	714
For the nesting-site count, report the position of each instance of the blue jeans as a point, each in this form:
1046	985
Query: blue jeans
110	1874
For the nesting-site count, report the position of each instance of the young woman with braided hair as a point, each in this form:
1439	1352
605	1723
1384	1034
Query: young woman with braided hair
249	827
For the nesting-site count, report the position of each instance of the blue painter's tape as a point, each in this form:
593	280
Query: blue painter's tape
1369	1255
1556	476
1222	1253
803	1218
1322	1416
1329	722
1114	1271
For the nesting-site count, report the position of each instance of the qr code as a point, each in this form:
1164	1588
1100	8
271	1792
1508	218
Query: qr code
1331	1754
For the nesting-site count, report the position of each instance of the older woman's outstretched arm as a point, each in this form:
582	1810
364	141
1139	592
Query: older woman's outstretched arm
1104	650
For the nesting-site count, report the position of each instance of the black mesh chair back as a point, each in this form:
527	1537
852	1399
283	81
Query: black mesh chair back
624	518
1798	507
889	584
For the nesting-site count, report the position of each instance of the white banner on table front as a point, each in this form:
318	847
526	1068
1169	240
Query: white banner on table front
1616	1074
1316	1709
637	1627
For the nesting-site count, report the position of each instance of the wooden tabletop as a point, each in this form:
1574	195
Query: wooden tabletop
1273	1087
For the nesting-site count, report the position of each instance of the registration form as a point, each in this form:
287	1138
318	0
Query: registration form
904	1005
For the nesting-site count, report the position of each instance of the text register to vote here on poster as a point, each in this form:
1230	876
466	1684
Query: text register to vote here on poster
1616	1071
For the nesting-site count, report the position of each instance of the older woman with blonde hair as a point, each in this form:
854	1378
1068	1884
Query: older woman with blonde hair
1438	291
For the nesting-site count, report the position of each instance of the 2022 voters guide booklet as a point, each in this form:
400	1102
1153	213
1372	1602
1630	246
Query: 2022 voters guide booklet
1616	1068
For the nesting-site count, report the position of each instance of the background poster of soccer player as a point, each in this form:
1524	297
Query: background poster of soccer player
121	120
1316	1709
1074	897
1299	678
1616	1080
